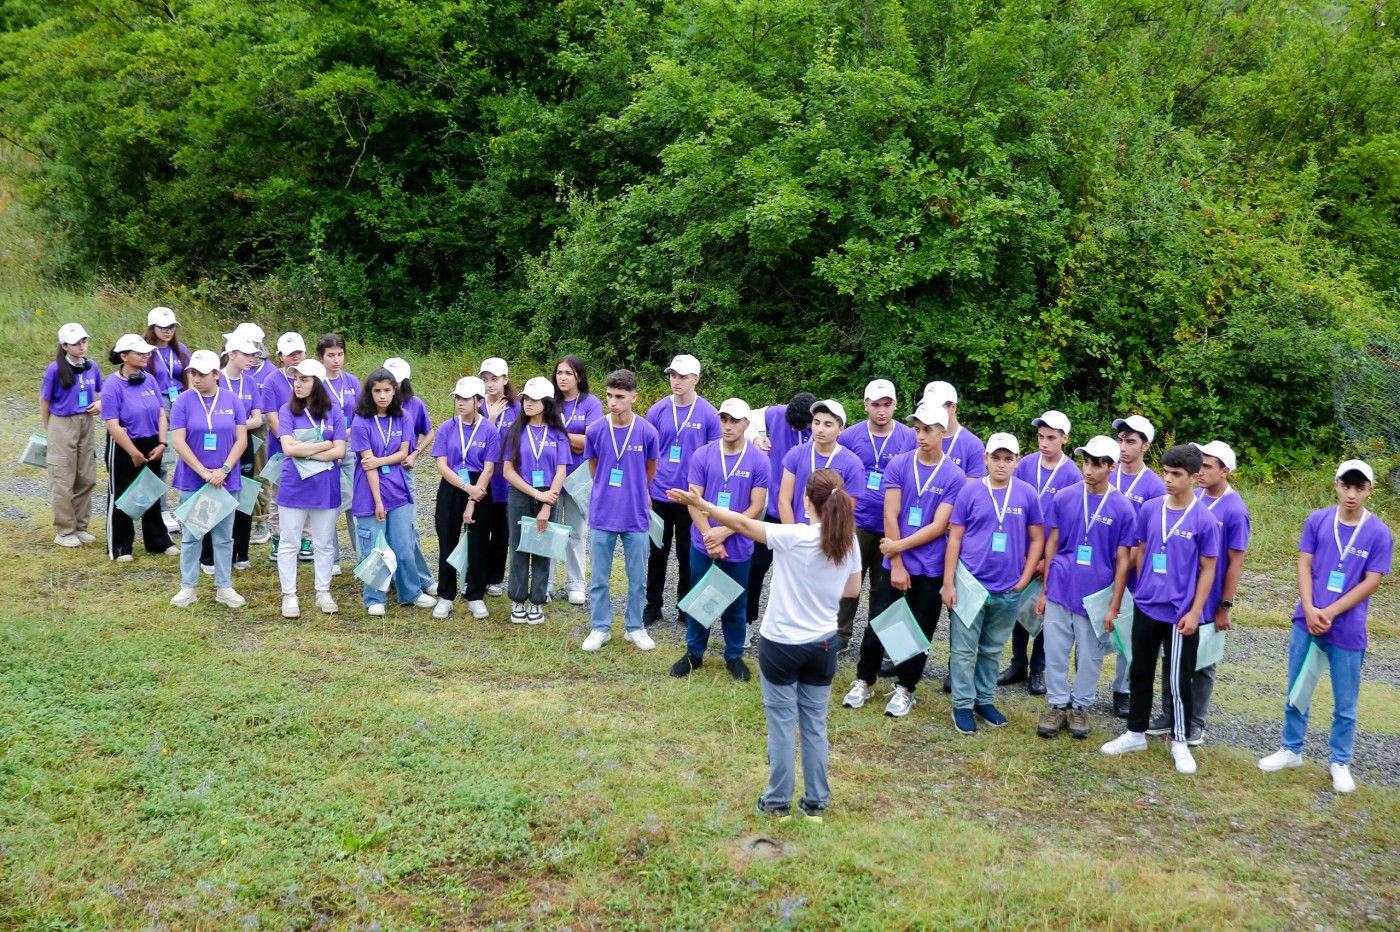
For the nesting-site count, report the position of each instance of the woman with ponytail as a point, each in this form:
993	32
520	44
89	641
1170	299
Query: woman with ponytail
814	566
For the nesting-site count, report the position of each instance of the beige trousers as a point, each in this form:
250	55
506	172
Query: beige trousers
72	471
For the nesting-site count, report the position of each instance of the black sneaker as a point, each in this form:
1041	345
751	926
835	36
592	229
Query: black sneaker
1121	701
651	614
1036	686
1195	737
842	645
737	669
887	670
947	686
687	663
810	812
781	813
1160	725
1012	675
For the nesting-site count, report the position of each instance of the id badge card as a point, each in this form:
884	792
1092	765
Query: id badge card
998	542
172	391
465	475
675	454
384	469
537	478
722	500
83	399
916	516
211	441
1159	562
873	480
1085	555
1336	581
615	478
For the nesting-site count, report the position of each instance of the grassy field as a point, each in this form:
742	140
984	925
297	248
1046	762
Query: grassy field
207	768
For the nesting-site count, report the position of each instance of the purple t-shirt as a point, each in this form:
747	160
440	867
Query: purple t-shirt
577	415
1232	517
245	390
499	485
925	488
783	438
168	370
966	450
976	511
481	441
420	424
264	371
1369	552
1046	481
66	402
220	415
1112	524
875	454
323	489
720	474
803	461
1143	487
1165	593
542	451
620	502
276	392
681	430
344	390
135	407
381	436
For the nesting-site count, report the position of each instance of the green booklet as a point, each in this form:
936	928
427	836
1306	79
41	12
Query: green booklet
1314	665
144	491
36	452
971	595
709	597
1210	645
656	528
199	513
457	559
376	570
579	485
1025	609
899	633
272	469
552	542
248	495
1096	606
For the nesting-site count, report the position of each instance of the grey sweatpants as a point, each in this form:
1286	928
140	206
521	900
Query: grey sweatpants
1064	630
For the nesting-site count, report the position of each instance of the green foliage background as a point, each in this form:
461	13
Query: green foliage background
1176	206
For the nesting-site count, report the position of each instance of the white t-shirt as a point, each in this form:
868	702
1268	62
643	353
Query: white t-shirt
806	587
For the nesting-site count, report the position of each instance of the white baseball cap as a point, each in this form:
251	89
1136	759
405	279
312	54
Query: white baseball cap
311	367
161	317
1100	447
941	393
1003	441
880	388
131	343
1055	420
72	333
398	368
736	408
204	360
469	386
291	342
241	345
684	364
1138	423
250	332
831	407
496	366
1360	466
538	388
1220	450
931	414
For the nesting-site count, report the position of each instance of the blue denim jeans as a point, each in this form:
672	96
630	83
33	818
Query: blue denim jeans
221	538
1344	670
975	653
399	531
734	620
602	545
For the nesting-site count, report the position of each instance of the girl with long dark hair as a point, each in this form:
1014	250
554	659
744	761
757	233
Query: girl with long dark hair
69	399
502	408
535	456
137	426
466	451
577	409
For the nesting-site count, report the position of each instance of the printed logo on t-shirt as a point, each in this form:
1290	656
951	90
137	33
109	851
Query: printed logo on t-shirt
1102	519
634	448
1353	552
1185	535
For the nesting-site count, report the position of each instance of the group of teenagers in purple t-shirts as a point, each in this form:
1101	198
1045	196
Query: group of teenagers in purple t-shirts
1067	556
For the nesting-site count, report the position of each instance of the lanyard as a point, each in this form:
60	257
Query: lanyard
384	435
500	418
339	395
237	392
569	417
738	461
1042	486
1212	502
464	440
321	427
537	448
1166	534
1118	480
922	487
685	423
950	442
828	459
209	411
880	452
612	435
169	363
1005	502
1089	522
1337	533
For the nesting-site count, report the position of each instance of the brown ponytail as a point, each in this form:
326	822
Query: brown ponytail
838	517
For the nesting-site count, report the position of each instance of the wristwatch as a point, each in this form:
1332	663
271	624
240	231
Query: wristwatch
226	468
1227	603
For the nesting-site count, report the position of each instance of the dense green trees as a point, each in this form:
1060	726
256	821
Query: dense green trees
1180	206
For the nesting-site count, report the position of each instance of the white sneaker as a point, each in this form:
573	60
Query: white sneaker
748	636
1181	757
640	639
1341	778
1279	760
258	535
855	699
517	613
495	590
577	597
443	609
184	598
377	609
1126	743
173	550
171	525
534	616
431	589
68	540
478	609
596	639
424	601
207	569
335	569
900	703
291	606
230	598
242	565
326	604
125	558
85	537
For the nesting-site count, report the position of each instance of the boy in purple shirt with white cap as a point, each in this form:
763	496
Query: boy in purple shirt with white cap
1178	544
1344	552
684	423
775	430
960	444
997	533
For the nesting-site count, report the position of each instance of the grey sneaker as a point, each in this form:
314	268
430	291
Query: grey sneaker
1196	737
1161	724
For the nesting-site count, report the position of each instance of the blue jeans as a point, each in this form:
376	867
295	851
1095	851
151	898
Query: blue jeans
399	531
1344	669
220	538
975	653
733	621
602	545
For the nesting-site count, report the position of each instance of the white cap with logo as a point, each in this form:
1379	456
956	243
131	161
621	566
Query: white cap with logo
290	342
1360	466
880	388
495	366
1137	423
1220	450
205	361
161	317
834	408
132	343
538	389
931	414
469	386
941	393
312	367
398	368
1004	441
71	334
684	364
736	408
237	344
1055	420
251	332
1099	447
